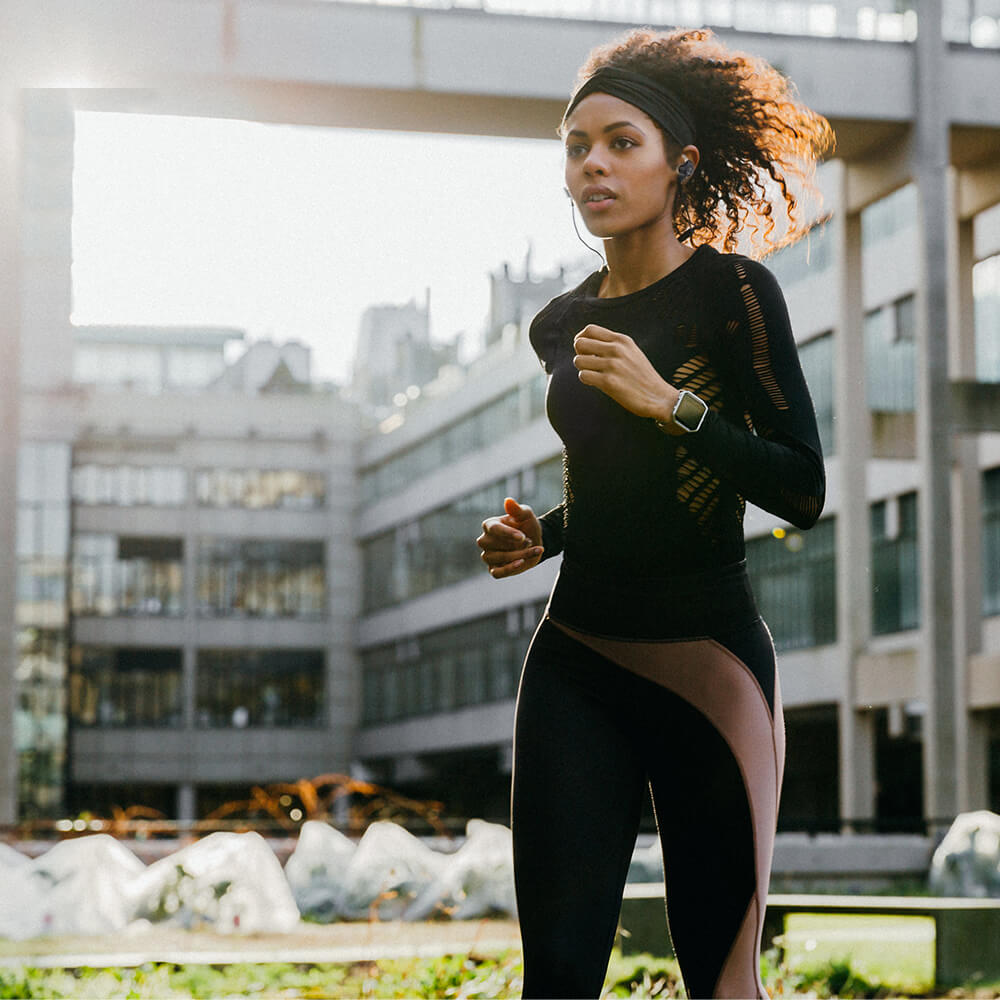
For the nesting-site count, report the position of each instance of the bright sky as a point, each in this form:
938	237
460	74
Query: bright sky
290	232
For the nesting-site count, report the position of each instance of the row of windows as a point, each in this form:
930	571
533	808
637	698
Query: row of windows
114	575
794	580
43	517
890	346
146	367
473	663
233	687
166	486
439	548
479	429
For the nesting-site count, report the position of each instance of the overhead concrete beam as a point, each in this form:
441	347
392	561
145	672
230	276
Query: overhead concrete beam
978	189
872	177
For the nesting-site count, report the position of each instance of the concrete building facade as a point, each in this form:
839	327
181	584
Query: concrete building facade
902	679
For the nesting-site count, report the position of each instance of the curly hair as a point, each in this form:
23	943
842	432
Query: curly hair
754	135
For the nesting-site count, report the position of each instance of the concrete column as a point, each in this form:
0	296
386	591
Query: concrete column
967	509
186	802
852	427
10	391
937	648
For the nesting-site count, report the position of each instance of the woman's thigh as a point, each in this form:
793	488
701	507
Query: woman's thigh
578	786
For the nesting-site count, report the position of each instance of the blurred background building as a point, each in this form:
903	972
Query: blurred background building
227	573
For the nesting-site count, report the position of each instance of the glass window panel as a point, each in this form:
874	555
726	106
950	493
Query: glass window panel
889	215
817	367
986	292
810	256
991	541
261	578
895	567
890	359
28	517
125	687
468	664
126	576
794	580
260	688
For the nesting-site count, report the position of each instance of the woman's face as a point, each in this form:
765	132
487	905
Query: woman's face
616	167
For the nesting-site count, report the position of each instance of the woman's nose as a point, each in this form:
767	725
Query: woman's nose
595	162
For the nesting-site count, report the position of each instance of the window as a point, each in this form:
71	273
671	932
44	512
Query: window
473	663
240	688
890	354
261	578
125	687
895	576
129	485
491	422
438	550
817	365
991	541
986	290
255	489
794	578
42	545
807	257
128	575
888	216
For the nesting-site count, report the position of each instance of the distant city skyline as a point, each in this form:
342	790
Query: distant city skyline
291	232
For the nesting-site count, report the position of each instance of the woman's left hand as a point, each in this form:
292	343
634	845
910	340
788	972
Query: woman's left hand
614	363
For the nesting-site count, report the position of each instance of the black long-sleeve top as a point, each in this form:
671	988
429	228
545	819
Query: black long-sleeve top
643	505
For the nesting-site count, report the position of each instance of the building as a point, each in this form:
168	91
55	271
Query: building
395	354
185	556
892	701
440	642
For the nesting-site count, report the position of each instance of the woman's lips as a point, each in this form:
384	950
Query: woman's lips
598	202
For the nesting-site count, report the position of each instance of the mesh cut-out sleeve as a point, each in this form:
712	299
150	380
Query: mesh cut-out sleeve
773	458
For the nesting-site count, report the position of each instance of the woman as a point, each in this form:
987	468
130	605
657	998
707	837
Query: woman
676	389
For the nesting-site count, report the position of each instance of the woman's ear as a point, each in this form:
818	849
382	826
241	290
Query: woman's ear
688	163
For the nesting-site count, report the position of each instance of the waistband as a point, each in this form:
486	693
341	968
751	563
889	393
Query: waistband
682	606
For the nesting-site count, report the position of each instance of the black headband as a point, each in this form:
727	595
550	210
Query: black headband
647	95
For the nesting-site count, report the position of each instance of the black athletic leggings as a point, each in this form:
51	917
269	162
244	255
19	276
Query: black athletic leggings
697	719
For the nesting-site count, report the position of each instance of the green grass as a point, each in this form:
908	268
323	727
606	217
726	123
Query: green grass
896	952
826	956
450	976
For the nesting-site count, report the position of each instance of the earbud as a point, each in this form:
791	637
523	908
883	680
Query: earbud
685	170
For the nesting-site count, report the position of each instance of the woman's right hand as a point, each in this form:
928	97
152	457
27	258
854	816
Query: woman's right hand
511	543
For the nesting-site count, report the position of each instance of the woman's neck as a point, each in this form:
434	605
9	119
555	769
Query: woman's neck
640	258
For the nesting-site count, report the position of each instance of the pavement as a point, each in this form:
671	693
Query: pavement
309	944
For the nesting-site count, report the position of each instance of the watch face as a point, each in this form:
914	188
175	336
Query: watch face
689	411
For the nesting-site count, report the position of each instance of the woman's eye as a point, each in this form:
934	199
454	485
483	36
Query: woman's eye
622	142
575	150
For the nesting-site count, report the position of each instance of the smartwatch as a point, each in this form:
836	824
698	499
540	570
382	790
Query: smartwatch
688	413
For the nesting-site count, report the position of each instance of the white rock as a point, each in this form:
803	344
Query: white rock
317	869
12	858
967	861
231	882
387	871
476	881
79	886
